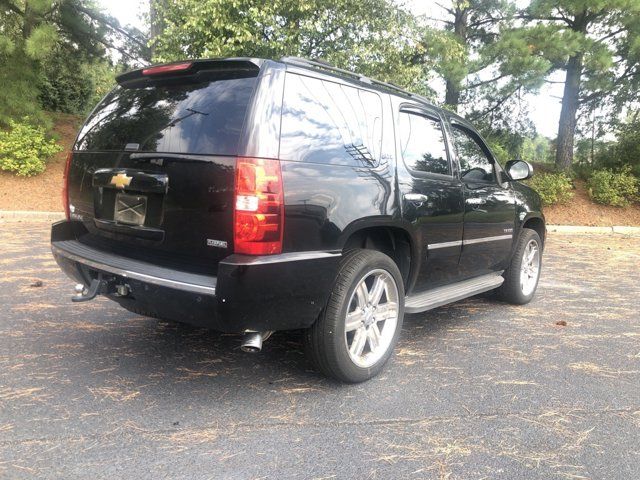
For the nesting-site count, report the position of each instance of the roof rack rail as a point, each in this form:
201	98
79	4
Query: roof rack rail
322	65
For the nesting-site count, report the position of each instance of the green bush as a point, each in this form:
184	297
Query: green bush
625	151
613	188
552	187
582	171
24	149
64	85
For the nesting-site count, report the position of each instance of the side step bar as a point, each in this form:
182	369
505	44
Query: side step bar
421	302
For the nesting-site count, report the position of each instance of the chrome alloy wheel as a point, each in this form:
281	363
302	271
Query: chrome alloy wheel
372	318
530	268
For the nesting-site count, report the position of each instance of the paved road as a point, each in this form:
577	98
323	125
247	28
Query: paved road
477	389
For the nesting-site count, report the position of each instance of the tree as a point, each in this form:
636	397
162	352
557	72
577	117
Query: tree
35	35
625	150
373	37
536	149
471	27
485	65
597	44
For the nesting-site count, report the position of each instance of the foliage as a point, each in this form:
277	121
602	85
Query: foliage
499	151
626	150
553	188
537	149
373	37
24	149
42	44
597	44
102	76
30	31
19	93
613	188
69	85
63	85
485	64
582	171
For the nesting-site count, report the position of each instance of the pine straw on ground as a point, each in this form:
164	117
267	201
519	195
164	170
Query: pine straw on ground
580	210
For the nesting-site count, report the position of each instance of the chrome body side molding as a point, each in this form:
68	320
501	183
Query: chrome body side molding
469	241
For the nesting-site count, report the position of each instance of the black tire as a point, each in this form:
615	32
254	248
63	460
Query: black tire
511	291
324	341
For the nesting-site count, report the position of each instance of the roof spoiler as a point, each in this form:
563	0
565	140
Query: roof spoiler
186	69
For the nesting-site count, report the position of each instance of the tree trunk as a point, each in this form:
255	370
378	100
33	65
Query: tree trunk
452	95
156	20
29	21
568	114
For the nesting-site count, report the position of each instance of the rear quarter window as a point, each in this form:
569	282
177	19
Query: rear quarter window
331	123
422	144
198	118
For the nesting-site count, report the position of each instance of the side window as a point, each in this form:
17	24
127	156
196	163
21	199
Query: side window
327	122
422	144
475	165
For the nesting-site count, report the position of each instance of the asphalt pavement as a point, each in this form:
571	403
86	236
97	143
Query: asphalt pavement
477	389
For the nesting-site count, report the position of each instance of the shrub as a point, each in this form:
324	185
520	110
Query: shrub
625	151
24	149
552	187
64	85
582	171
613	188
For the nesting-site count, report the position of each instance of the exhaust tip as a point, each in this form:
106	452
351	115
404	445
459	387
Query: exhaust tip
252	341
250	348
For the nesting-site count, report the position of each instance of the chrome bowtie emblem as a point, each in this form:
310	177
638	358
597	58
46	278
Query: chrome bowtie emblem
120	180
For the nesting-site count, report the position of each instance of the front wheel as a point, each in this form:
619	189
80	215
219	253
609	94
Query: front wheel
522	276
357	331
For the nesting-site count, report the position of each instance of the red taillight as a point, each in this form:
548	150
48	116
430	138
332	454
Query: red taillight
172	67
259	207
65	186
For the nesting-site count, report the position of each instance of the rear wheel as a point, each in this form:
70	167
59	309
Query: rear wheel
357	331
521	278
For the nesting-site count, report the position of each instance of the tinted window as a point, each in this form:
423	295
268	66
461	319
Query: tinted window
186	118
475	165
326	122
422	144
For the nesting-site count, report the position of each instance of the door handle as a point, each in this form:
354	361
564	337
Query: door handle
416	198
476	201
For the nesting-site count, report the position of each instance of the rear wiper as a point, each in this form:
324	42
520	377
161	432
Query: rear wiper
173	123
191	113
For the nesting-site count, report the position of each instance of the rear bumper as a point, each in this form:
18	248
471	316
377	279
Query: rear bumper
276	292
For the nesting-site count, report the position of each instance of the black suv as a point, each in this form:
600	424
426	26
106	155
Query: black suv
251	195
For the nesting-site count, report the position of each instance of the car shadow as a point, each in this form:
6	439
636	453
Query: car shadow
150	352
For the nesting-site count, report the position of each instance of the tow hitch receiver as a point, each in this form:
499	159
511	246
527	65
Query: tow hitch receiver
96	287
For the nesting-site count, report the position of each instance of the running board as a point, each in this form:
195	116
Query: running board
421	302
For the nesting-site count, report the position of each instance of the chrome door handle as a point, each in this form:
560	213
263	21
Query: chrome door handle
476	201
416	198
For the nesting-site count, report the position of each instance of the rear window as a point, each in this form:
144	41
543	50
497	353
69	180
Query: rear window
199	118
327	122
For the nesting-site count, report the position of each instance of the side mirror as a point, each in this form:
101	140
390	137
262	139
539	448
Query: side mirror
519	169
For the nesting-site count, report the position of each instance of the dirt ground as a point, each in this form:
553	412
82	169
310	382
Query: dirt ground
42	192
477	389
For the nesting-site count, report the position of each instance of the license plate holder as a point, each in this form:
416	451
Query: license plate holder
130	209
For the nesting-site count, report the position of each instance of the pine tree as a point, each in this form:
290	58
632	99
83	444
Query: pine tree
597	44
